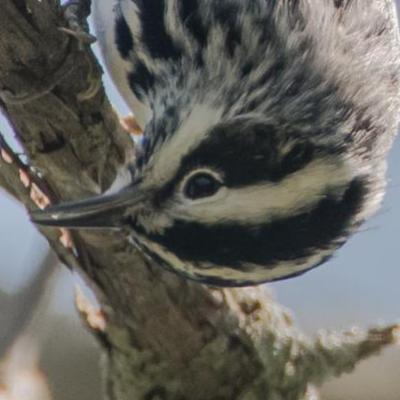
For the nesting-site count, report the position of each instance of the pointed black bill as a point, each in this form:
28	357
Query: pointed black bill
104	211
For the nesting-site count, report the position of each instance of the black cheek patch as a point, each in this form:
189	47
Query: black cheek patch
326	226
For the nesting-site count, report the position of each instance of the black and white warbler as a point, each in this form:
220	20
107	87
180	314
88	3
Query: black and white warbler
266	129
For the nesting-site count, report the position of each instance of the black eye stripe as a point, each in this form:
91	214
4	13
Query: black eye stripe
241	165
248	154
244	158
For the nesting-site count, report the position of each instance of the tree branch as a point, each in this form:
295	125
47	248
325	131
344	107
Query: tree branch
20	308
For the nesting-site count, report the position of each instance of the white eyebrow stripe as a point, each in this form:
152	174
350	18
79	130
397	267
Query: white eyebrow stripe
194	129
263	202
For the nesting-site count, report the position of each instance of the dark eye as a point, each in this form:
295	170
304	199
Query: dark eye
201	185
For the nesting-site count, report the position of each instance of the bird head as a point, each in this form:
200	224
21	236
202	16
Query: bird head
229	202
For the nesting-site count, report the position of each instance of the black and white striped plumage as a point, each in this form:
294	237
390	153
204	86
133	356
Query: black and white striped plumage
267	124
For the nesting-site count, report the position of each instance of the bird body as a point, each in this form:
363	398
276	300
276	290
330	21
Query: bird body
266	129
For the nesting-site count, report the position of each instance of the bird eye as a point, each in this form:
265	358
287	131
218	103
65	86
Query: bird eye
200	185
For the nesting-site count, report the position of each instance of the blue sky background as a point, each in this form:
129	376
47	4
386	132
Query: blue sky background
360	286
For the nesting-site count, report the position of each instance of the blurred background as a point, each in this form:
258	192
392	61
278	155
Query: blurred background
360	286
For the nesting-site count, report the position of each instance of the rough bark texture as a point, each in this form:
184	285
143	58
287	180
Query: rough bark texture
163	337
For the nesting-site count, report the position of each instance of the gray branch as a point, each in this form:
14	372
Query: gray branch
17	310
164	338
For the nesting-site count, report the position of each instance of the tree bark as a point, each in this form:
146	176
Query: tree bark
163	337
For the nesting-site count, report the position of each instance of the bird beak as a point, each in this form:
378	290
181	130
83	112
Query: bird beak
106	211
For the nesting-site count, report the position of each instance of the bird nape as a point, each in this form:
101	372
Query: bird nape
266	131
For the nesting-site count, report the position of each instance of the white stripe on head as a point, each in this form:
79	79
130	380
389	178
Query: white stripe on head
194	128
265	201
